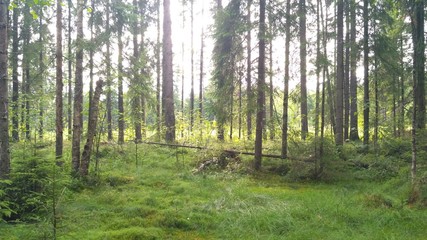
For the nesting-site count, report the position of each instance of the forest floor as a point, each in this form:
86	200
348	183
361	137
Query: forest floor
155	193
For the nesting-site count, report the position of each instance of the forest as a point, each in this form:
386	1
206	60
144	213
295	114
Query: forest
225	119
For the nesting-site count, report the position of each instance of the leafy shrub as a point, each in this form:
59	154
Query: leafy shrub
5	211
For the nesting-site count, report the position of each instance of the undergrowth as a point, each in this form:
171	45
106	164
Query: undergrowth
148	192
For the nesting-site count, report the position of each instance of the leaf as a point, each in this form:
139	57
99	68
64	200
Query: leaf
89	9
34	14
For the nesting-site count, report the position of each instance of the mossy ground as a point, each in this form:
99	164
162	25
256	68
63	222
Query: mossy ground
153	194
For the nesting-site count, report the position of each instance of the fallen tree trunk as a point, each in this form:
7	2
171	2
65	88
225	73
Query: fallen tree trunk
237	152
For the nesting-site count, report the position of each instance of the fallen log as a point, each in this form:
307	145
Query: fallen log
237	152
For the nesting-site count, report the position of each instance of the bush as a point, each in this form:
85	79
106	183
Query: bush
27	192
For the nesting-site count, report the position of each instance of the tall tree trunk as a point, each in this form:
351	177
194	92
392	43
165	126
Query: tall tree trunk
91	53
15	81
249	93
91	129
402	91
41	73
59	83
108	70
192	68
183	70
158	71
318	69
340	74
78	92
136	101
202	47
346	84
303	68
167	92
121	120
4	118
261	87
270	76
70	85
366	104
354	130
417	21
240	105
285	126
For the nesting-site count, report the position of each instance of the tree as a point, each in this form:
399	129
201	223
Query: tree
70	86
120	21
249	93
202	50
4	117
261	87
158	72
167	89
354	130
303	68
366	103
192	66
285	126
15	81
91	129
340	74
59	83
78	92
108	70
136	97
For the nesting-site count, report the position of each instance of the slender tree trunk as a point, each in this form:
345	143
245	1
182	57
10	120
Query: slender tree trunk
41	73
91	53
202	45
109	80
59	83
318	69
402	91
240	105
285	126
419	61
270	75
121	120
78	92
15	81
366	104
354	130
158	71
4	121
167	93
249	93
192	68
303	68
330	97
183	71
340	74
261	87
346	84
136	101
70	88
91	130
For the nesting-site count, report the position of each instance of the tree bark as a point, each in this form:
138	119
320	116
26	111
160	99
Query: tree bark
4	116
121	120
366	105
59	82
136	101
261	88
340	74
91	130
303	68
270	76
346	84
15	81
70	85
354	130
417	21
202	47
192	68
109	80
158	71
249	93
167	92
78	92
284	151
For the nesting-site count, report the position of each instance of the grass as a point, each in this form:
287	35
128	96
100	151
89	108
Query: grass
156	196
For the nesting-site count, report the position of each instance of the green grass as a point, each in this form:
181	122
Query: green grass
160	198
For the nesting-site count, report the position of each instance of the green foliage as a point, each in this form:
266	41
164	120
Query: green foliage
5	211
